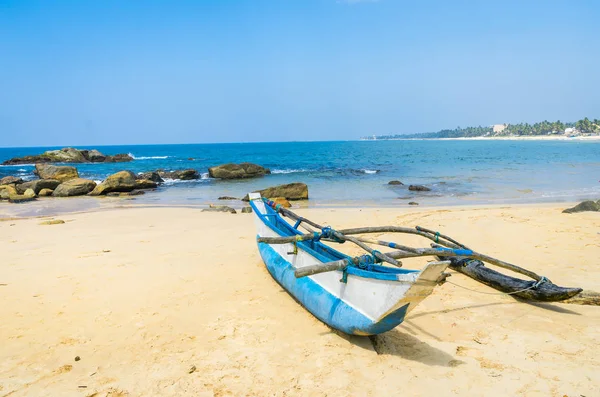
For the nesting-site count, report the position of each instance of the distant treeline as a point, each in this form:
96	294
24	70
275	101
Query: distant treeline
585	126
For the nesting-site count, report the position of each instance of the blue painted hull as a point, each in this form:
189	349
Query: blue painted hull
322	304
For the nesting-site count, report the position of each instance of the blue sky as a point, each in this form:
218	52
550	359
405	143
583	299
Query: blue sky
127	72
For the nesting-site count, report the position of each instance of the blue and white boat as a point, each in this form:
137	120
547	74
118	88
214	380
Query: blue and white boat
355	300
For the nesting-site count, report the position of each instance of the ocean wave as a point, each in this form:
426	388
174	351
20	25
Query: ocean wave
148	157
288	171
370	171
204	175
170	182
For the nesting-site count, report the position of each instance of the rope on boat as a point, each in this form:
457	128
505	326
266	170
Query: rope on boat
535	285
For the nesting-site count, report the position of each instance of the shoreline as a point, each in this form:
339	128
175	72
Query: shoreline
499	138
77	205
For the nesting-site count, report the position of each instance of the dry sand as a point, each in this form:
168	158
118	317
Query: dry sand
175	302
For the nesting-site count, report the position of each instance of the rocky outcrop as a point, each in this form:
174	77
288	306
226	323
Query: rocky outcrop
184	175
291	191
419	188
94	156
584	206
37	185
74	187
8	180
69	155
60	173
394	182
151	176
247	210
237	171
413	203
227	198
123	181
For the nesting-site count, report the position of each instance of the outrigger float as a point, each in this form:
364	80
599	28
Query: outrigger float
358	295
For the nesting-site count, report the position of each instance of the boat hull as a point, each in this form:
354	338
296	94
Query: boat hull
327	307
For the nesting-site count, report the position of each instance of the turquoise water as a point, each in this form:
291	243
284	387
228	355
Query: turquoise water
357	172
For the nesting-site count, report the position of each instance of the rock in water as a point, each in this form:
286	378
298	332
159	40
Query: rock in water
60	173
413	203
45	192
69	155
227	198
291	191
74	187
395	183
94	156
122	181
237	171
151	176
118	158
8	180
37	185
66	155
184	175
419	188
281	201
584	206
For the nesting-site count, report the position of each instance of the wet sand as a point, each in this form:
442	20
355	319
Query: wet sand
173	301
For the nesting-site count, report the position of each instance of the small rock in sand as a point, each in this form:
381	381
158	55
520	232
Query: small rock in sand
583	206
52	222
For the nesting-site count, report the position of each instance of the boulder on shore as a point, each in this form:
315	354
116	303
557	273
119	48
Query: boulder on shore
45	192
184	175
60	173
237	171
6	191
227	198
419	188
20	198
395	182
8	180
29	193
122	181
69	155
247	210
290	191
584	206
37	185
74	187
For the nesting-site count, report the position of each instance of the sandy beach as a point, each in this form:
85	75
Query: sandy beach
176	302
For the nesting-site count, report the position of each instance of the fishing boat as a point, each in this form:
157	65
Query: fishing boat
366	299
360	296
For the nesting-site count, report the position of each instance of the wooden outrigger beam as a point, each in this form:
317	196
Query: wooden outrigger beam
462	259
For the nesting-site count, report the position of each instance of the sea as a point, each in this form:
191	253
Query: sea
356	173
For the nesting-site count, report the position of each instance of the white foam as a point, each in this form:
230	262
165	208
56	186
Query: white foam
148	157
276	171
370	171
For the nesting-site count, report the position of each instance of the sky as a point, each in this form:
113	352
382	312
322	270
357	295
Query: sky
153	72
